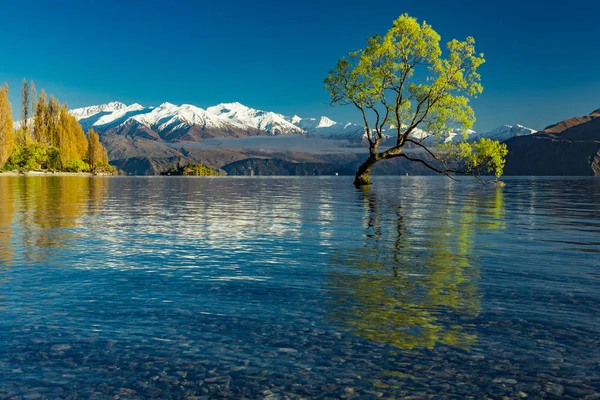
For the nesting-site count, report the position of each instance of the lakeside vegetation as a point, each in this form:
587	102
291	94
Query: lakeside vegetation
192	170
48	137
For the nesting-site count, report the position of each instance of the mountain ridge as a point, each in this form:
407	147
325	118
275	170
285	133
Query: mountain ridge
187	122
568	147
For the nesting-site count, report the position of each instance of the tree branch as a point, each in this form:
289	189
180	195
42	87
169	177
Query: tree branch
365	119
443	172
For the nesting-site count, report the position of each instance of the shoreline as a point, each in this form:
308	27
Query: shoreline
47	173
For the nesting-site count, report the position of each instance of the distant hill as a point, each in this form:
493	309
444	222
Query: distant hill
148	165
569	147
277	167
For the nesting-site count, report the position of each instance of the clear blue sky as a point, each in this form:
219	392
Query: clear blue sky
543	57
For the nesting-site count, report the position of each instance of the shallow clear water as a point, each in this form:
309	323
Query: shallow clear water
298	287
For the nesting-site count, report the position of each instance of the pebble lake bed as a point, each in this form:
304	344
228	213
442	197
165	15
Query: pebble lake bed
299	287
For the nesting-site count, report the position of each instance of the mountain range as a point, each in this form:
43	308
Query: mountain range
148	140
169	122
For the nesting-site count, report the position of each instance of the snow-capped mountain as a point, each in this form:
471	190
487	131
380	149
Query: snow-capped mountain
328	129
504	132
186	122
190	123
113	107
500	134
312	124
269	122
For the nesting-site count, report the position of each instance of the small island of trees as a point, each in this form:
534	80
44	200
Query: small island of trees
47	138
192	170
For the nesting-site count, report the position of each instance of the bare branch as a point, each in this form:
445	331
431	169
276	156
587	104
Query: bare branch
435	157
377	130
366	121
443	172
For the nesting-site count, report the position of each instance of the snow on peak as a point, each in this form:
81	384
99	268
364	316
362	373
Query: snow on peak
237	116
328	129
171	116
504	132
166	105
228	108
105	114
104	108
325	122
246	117
112	106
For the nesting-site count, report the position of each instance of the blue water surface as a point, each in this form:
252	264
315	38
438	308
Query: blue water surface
304	287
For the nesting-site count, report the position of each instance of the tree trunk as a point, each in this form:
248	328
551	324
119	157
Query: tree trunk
363	174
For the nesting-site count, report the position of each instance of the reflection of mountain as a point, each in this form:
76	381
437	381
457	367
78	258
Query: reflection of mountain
413	284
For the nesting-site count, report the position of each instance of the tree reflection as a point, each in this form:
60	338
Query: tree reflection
414	282
7	207
46	209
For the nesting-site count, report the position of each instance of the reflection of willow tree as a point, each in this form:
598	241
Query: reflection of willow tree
97	189
50	206
415	286
7	208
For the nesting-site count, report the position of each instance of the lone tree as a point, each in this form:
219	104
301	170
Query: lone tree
409	93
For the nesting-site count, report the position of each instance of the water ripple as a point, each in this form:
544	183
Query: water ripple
298	287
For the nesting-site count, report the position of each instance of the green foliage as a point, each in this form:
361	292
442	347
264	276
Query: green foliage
192	170
480	158
29	157
104	168
76	166
54	163
199	170
404	81
37	156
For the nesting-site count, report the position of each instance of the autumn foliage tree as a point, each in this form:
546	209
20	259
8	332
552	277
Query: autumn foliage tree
7	137
404	82
97	154
24	133
40	129
70	138
49	137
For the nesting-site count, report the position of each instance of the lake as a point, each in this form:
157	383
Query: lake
305	287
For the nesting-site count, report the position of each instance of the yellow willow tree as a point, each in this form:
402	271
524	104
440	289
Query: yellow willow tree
95	150
66	141
40	128
7	134
24	135
71	140
403	82
53	121
81	141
